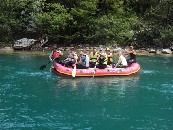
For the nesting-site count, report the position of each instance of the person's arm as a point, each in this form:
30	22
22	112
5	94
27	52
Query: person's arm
98	56
127	51
80	60
90	59
60	52
119	62
50	56
75	57
134	52
106	56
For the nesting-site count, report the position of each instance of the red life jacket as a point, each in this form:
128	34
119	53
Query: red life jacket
56	54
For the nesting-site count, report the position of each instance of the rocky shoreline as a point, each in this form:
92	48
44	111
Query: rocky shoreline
46	51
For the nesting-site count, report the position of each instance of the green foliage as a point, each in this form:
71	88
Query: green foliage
156	30
144	23
110	29
52	21
166	36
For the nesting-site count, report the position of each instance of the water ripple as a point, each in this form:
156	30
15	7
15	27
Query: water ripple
163	88
149	71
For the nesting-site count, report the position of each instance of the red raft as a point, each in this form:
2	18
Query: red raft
60	70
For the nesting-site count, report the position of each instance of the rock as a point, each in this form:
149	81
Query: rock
158	51
171	48
152	50
24	44
166	51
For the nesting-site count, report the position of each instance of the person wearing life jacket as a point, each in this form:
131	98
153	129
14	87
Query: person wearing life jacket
110	56
122	62
71	60
55	55
93	58
83	61
102	59
132	55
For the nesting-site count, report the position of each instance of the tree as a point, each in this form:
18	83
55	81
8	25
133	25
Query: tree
52	21
157	24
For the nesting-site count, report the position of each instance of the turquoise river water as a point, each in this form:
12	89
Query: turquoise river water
31	99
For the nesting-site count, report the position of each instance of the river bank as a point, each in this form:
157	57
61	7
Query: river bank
45	52
9	50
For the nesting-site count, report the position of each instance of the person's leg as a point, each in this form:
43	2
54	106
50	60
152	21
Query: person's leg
83	67
98	66
121	66
80	66
113	64
77	66
104	66
57	60
68	63
130	61
92	64
101	66
109	63
62	62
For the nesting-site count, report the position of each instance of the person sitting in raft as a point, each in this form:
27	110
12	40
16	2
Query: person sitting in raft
132	54
93	58
110	56
122	62
102	59
83	61
55	55
71	60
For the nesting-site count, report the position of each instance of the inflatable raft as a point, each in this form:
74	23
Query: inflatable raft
60	70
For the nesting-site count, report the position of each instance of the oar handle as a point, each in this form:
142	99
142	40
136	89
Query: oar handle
48	63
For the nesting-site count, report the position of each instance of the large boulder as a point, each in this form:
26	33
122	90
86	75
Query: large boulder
166	51
23	44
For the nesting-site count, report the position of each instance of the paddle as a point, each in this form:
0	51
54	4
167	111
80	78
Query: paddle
44	66
94	71
74	71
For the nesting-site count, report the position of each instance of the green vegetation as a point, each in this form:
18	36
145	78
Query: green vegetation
143	23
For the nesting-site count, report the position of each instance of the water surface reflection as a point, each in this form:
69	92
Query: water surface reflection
99	85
